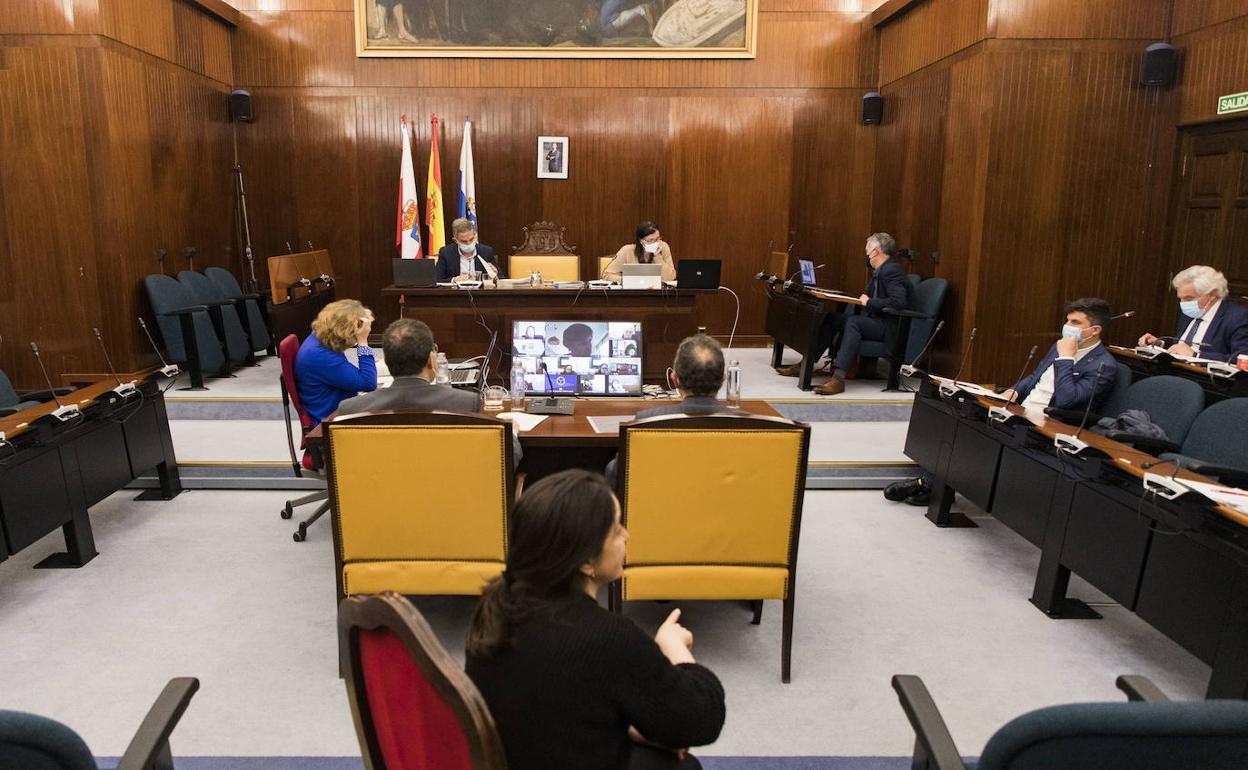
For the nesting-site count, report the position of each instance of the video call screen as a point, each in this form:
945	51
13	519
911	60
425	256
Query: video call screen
579	358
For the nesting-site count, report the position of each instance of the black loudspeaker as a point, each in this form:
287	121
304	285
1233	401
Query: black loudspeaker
1159	64
872	109
240	106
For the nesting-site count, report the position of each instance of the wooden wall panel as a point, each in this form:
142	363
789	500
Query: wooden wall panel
1080	19
1215	63
50	17
144	24
928	33
1191	15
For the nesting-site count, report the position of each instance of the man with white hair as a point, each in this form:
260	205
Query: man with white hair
1210	326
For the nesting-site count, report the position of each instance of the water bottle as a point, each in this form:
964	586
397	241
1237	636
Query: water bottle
734	384
442	375
518	386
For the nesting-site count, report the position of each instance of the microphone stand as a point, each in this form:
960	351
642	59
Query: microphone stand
249	258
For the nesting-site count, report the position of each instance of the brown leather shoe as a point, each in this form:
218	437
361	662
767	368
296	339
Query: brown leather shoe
792	370
833	387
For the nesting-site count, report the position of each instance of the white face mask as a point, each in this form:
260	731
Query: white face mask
651	248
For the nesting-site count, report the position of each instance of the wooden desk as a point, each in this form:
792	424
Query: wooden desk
51	473
462	321
1216	388
794	319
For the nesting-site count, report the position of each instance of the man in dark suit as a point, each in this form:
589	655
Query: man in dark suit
411	356
698	373
1210	326
464	255
1076	371
889	289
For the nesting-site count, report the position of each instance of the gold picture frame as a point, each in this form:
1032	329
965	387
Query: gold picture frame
557	29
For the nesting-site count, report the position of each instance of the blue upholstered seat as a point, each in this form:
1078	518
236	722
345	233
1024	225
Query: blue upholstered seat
253	317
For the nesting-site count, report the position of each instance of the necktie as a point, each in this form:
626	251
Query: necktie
1191	331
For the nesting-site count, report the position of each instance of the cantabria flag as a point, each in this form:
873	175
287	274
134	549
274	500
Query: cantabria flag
407	238
467	180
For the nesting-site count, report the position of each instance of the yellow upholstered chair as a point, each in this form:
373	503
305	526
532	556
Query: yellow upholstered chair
602	264
553	267
724	522
420	501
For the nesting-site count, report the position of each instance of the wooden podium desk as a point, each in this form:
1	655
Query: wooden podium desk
1216	388
462	320
52	472
794	319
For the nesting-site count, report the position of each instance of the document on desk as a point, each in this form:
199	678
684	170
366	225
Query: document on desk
522	420
1230	496
608	423
969	387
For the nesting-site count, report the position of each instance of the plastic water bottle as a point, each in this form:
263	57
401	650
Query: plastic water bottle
734	384
518	386
442	375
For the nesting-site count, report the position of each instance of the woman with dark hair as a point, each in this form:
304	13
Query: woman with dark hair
646	249
569	683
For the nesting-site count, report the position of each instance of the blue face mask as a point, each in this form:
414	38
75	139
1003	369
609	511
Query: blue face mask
467	248
1191	308
1075	332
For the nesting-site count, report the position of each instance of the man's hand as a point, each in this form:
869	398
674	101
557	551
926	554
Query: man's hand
1009	394
1146	340
863	298
1181	349
1067	347
675	640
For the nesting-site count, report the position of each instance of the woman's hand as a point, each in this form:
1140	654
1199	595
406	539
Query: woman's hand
675	640
362	330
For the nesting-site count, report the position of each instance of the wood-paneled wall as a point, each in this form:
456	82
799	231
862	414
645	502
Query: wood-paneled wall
731	158
114	142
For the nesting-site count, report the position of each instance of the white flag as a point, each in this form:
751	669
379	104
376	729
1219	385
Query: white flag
407	237
467	180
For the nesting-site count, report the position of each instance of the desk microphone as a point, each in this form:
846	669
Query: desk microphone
310	247
1166	486
908	370
289	250
123	389
1073	444
63	412
160	257
949	388
1027	363
166	368
189	252
789	281
1127	314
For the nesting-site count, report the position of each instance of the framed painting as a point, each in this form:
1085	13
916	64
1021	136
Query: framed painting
588	29
552	157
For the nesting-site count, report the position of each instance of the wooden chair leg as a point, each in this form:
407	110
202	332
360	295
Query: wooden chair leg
786	640
758	611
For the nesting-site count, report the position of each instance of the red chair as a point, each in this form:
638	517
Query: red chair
302	461
414	708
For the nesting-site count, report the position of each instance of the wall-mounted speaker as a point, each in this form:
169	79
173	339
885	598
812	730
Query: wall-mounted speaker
872	109
1159	64
240	106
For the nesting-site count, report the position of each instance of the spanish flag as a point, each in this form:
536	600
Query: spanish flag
433	198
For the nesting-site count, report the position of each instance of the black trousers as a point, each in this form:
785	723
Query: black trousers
649	758
853	330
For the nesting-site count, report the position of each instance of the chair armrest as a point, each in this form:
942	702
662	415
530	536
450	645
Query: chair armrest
1235	477
904	313
1153	446
1140	688
218	303
187	310
931	735
149	749
1071	416
248	296
45	394
5	411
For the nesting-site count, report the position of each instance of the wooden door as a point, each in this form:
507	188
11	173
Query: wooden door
1211	202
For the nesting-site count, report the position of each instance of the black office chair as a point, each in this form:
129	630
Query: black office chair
1215	446
1172	403
913	330
186	329
32	742
224	315
250	308
12	402
1150	733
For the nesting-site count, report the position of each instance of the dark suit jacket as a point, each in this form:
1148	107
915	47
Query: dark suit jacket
1227	332
416	393
1073	381
448	260
888	288
693	405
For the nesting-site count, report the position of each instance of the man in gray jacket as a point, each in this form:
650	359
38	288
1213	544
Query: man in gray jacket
411	356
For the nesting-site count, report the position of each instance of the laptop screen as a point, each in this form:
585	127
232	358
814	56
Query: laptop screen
579	358
808	271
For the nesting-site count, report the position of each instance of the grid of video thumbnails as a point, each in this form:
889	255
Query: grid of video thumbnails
587	358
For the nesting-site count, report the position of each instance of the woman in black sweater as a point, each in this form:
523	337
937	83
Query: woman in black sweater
570	684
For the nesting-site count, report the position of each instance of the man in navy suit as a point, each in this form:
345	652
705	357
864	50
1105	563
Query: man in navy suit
1076	371
889	289
1209	325
464	255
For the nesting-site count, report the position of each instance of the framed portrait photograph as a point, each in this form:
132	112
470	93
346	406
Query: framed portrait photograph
549	29
552	157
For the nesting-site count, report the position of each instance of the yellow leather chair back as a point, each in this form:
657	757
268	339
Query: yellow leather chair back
559	267
602	264
419	508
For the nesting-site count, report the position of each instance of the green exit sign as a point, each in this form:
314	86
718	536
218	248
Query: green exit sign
1233	103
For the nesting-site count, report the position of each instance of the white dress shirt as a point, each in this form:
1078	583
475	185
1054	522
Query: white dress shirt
1042	393
1204	319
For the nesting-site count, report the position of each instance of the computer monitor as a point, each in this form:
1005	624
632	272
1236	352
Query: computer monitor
579	358
808	271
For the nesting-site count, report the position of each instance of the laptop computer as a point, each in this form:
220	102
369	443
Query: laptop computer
414	273
468	375
698	273
807	270
639	276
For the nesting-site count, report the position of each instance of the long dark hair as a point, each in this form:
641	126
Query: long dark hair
643	229
560	523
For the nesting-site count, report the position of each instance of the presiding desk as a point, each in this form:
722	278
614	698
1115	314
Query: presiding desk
462	320
51	472
1216	387
1180	564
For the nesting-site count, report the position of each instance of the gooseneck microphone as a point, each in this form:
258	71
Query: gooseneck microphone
1073	444
1026	363
1128	314
166	368
63	412
966	354
908	370
789	281
123	389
